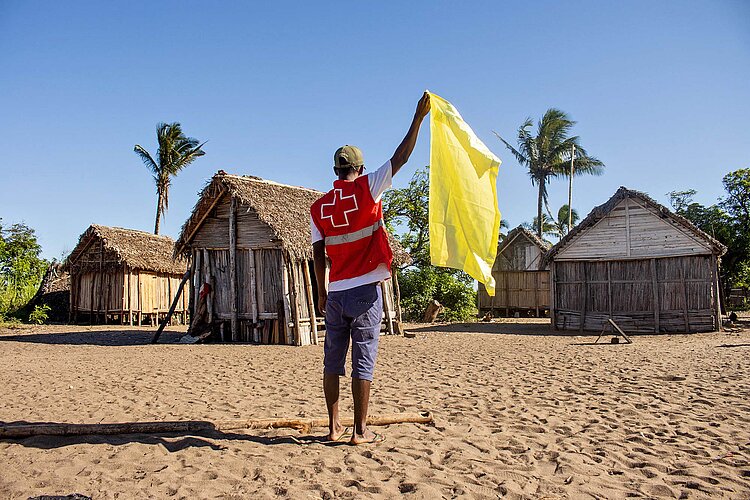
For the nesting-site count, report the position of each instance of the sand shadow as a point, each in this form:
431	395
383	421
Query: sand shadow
96	337
532	329
734	345
171	441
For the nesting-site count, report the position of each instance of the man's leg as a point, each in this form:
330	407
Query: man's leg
365	336
334	360
331	390
361	394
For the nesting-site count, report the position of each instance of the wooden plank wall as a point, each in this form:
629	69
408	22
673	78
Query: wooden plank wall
119	292
674	294
525	290
632	230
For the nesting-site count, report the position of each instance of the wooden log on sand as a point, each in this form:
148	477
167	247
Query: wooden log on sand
23	430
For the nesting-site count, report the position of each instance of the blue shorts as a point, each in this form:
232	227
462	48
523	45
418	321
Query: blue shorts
353	314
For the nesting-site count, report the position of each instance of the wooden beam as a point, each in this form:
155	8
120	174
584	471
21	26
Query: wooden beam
627	227
207	279
553	294
655	286
285	300
233	266
714	262
253	295
386	308
609	288
25	430
397	300
685	313
310	302
585	304
294	301
164	323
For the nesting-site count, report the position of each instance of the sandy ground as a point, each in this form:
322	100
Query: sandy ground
519	414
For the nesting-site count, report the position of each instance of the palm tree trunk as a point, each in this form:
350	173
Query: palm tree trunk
539	209
158	214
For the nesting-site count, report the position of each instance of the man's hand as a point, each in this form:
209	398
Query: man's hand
423	106
322	301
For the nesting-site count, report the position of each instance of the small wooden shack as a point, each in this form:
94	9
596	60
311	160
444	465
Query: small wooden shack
249	241
633	260
521	283
124	275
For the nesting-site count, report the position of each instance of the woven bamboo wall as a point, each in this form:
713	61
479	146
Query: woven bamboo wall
525	290
673	294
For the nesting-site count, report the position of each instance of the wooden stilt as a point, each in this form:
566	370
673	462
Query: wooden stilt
233	267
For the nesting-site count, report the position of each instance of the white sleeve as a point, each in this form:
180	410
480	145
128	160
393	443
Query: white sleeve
380	180
316	236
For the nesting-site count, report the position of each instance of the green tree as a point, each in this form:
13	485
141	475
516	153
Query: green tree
547	154
176	151
722	226
21	268
405	212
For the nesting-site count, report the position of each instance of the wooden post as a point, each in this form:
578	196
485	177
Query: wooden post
609	288
627	226
207	279
287	305
233	266
310	302
397	300
140	299
99	308
130	294
552	295
386	308
294	301
253	295
536	292
717	297
684	298
657	306
185	277
570	187
197	283
91	304
585	297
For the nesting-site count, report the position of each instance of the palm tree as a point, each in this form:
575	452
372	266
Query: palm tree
547	155
562	219
176	151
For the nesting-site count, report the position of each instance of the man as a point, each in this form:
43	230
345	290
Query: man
347	224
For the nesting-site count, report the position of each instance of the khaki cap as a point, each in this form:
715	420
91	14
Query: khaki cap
348	156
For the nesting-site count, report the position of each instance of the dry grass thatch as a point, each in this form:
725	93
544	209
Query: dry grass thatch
522	231
602	210
126	247
286	210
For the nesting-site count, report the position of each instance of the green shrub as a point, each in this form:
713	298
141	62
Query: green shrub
451	288
40	314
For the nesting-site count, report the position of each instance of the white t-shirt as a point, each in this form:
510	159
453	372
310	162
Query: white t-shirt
379	181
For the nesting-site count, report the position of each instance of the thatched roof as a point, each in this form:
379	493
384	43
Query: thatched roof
522	231
602	210
127	247
285	209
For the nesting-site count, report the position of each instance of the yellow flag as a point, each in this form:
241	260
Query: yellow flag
464	217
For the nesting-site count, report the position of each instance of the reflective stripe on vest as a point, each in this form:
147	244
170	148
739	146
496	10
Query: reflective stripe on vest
354	236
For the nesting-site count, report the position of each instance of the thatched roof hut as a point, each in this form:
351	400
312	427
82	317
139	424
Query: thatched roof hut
249	240
521	282
124	273
635	261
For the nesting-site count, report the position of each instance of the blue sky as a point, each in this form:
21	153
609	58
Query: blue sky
659	90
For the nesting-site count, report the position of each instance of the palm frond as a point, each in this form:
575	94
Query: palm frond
519	157
146	159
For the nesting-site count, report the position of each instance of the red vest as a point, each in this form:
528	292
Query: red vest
352	225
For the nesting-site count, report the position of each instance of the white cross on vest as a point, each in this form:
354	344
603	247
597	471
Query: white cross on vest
342	217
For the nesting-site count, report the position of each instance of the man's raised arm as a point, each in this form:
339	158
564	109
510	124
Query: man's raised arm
403	151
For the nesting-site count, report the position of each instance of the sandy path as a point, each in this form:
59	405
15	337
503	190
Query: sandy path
524	416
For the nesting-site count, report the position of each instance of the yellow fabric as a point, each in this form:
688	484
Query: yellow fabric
464	217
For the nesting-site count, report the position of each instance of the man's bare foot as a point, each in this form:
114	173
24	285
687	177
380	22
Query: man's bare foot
367	437
338	433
